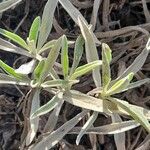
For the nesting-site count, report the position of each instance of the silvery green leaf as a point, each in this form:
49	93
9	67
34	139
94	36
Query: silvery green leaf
12	72
113	128
37	71
9	47
120	85
14	37
96	5
48	106
134	111
50	60
26	68
91	50
58	82
106	59
72	11
137	84
75	13
53	138
50	125
78	51
47	21
47	46
34	123
85	69
86	126
84	101
6	79
34	30
8	4
137	64
64	56
120	137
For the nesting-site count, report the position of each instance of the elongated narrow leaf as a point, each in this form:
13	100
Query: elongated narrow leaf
136	113
51	140
96	5
78	51
85	68
91	51
47	21
11	71
9	47
72	11
137	64
58	82
8	4
120	85
113	128
26	68
106	58
38	70
64	57
50	125
6	79
47	46
14	37
137	84
75	13
86	126
52	56
120	137
54	74
48	106
84	101
34	30
34	123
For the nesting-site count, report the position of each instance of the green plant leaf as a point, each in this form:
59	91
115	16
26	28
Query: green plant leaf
58	82
50	125
9	47
47	21
86	126
64	56
137	84
50	60
136	113
53	138
47	46
78	51
34	30
75	13
12	72
26	68
120	85
48	106
38	70
90	48
84	101
120	137
8	4
14	37
34	123
106	59
113	128
85	68
137	64
6	79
